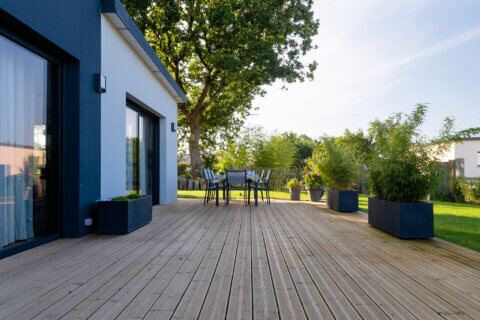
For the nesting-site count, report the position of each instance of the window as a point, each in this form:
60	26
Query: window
27	145
140	151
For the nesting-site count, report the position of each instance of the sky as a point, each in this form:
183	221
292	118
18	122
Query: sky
379	57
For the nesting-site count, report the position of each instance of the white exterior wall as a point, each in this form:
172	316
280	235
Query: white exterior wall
468	151
126	73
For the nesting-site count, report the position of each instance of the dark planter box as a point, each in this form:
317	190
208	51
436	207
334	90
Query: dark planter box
315	194
124	216
342	200
405	220
295	193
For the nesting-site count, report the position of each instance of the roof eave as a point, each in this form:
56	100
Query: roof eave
119	16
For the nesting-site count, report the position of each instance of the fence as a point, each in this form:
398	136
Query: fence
280	177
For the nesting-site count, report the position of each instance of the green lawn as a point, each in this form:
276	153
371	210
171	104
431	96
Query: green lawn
455	222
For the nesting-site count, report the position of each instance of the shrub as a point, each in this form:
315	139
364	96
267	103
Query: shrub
312	180
129	197
294	183
404	165
335	164
182	168
467	191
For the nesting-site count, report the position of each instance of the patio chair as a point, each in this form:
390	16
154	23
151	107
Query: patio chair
265	185
209	186
236	179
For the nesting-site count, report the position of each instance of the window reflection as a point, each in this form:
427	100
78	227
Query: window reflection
140	152
24	85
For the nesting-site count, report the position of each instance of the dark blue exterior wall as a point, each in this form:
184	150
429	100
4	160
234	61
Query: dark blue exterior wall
70	32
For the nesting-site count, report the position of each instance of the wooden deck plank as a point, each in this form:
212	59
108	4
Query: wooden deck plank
180	239
313	302
289	303
67	295
264	301
191	303
72	277
285	260
95	284
386	301
240	302
170	296
216	300
361	249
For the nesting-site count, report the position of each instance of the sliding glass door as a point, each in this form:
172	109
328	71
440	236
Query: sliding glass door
141	134
28	169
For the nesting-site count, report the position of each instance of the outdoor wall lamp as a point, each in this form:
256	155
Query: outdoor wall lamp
100	83
173	127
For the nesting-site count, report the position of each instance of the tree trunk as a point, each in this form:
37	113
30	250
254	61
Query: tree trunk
194	148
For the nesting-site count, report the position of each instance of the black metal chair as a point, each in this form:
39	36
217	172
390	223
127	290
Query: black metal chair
210	185
236	179
265	186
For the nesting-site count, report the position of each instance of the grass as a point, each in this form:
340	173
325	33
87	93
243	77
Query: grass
455	222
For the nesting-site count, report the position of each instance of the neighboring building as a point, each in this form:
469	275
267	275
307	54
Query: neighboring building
87	111
465	156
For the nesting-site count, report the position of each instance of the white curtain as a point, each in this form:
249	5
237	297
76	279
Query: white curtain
21	82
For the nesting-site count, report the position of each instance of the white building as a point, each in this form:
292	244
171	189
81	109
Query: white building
467	157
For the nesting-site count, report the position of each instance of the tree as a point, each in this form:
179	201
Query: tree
304	146
358	144
221	53
275	152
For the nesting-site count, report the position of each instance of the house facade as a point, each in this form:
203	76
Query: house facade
465	156
87	112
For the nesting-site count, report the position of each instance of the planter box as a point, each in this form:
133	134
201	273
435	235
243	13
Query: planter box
196	184
342	200
124	216
315	194
411	220
295	193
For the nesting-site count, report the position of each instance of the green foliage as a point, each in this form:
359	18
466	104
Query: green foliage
221	53
304	146
240	152
274	152
253	148
335	163
358	145
467	191
182	168
312	180
129	197
294	183
404	165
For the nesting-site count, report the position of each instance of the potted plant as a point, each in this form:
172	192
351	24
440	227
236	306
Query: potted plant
124	214
314	185
339	172
295	189
404	171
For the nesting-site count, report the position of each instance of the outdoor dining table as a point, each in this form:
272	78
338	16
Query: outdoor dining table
252	177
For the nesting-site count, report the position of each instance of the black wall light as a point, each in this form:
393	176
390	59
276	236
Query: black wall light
174	128
100	83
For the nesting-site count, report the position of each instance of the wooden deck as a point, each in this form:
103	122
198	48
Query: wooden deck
286	260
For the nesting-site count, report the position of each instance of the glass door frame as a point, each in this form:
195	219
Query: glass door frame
55	70
156	145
